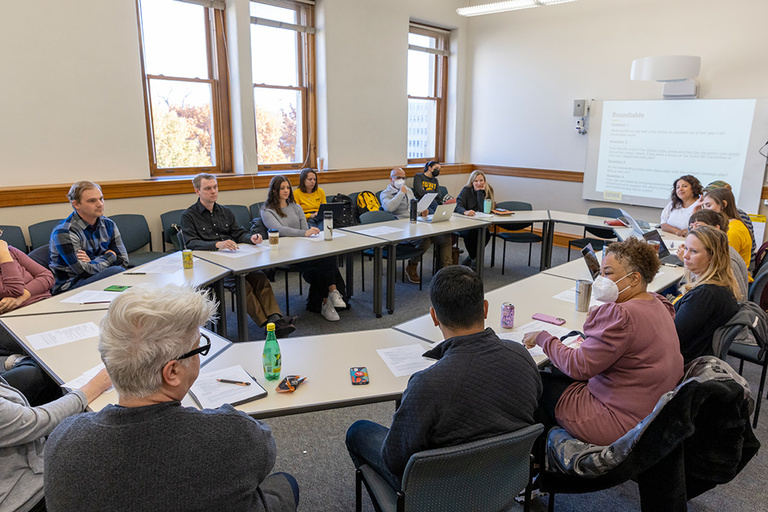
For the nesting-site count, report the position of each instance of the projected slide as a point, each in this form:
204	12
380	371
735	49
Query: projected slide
645	145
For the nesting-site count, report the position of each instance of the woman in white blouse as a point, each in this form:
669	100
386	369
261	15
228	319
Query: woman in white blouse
685	195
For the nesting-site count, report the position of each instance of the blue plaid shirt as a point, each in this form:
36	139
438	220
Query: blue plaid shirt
74	234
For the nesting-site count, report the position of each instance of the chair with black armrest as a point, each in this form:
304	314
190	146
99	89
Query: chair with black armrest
170	235
403	252
604	235
255	210
134	231
521	236
14	236
40	233
480	475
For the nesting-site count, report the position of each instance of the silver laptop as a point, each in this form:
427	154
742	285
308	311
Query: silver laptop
637	229
442	213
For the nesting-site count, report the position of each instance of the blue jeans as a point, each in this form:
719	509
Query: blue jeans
364	442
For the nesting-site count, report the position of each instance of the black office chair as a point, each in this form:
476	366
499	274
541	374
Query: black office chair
135	234
255	210
525	237
242	214
14	236
403	252
170	235
40	233
604	235
479	475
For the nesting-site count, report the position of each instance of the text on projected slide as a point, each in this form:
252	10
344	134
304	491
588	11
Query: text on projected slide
645	145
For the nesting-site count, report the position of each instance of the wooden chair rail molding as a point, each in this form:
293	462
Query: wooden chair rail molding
57	193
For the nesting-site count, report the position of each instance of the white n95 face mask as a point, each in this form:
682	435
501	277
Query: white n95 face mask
606	290
399	183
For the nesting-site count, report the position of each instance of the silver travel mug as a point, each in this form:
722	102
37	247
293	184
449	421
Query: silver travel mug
583	295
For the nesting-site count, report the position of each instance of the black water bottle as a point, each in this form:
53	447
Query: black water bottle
414	213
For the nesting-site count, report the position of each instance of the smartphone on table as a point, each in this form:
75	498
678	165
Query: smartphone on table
359	375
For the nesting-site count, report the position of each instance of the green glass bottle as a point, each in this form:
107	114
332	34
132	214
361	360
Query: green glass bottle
270	357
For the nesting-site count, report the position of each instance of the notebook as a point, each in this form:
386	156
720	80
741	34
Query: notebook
209	393
442	213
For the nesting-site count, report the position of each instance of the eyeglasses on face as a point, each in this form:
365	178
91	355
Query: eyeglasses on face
202	349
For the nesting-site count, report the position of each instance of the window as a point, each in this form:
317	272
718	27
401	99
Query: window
427	85
282	62
185	87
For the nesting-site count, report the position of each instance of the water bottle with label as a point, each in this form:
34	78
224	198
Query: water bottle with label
270	358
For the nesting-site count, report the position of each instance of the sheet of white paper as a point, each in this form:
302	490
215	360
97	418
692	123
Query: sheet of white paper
83	379
378	231
481	215
535	325
211	393
160	266
321	236
570	296
243	250
66	335
425	201
405	360
91	296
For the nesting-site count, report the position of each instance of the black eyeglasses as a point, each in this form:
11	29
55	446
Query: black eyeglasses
202	349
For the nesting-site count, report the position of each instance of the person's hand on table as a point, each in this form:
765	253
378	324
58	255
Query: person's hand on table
256	239
450	201
469	213
311	231
313	215
96	386
424	213
529	338
10	303
229	245
681	251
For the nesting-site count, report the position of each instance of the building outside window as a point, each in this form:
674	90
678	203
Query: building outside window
427	86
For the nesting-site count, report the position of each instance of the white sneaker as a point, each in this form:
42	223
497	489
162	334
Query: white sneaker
337	300
329	312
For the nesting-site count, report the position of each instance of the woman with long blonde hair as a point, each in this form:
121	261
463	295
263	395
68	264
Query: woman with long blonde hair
469	202
711	292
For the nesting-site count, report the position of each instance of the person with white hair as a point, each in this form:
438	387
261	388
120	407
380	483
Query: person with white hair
148	452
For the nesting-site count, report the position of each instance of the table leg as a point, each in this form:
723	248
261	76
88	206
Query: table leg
480	257
493	245
377	264
242	313
549	227
391	277
350	275
221	325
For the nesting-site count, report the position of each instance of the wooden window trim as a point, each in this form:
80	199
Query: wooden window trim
306	70
440	86
218	78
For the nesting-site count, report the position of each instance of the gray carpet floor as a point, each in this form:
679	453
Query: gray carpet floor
311	446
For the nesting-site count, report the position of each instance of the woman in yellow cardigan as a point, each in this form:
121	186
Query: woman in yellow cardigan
309	196
722	200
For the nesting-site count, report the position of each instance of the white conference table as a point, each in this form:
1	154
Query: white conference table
530	296
288	251
403	230
577	269
203	273
520	217
577	219
70	360
325	360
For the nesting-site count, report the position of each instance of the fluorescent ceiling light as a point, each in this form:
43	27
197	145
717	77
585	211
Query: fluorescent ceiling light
507	5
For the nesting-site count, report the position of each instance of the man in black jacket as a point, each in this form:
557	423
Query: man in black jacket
481	386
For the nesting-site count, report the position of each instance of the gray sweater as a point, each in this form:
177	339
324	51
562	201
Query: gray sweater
293	224
22	438
395	202
163	457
